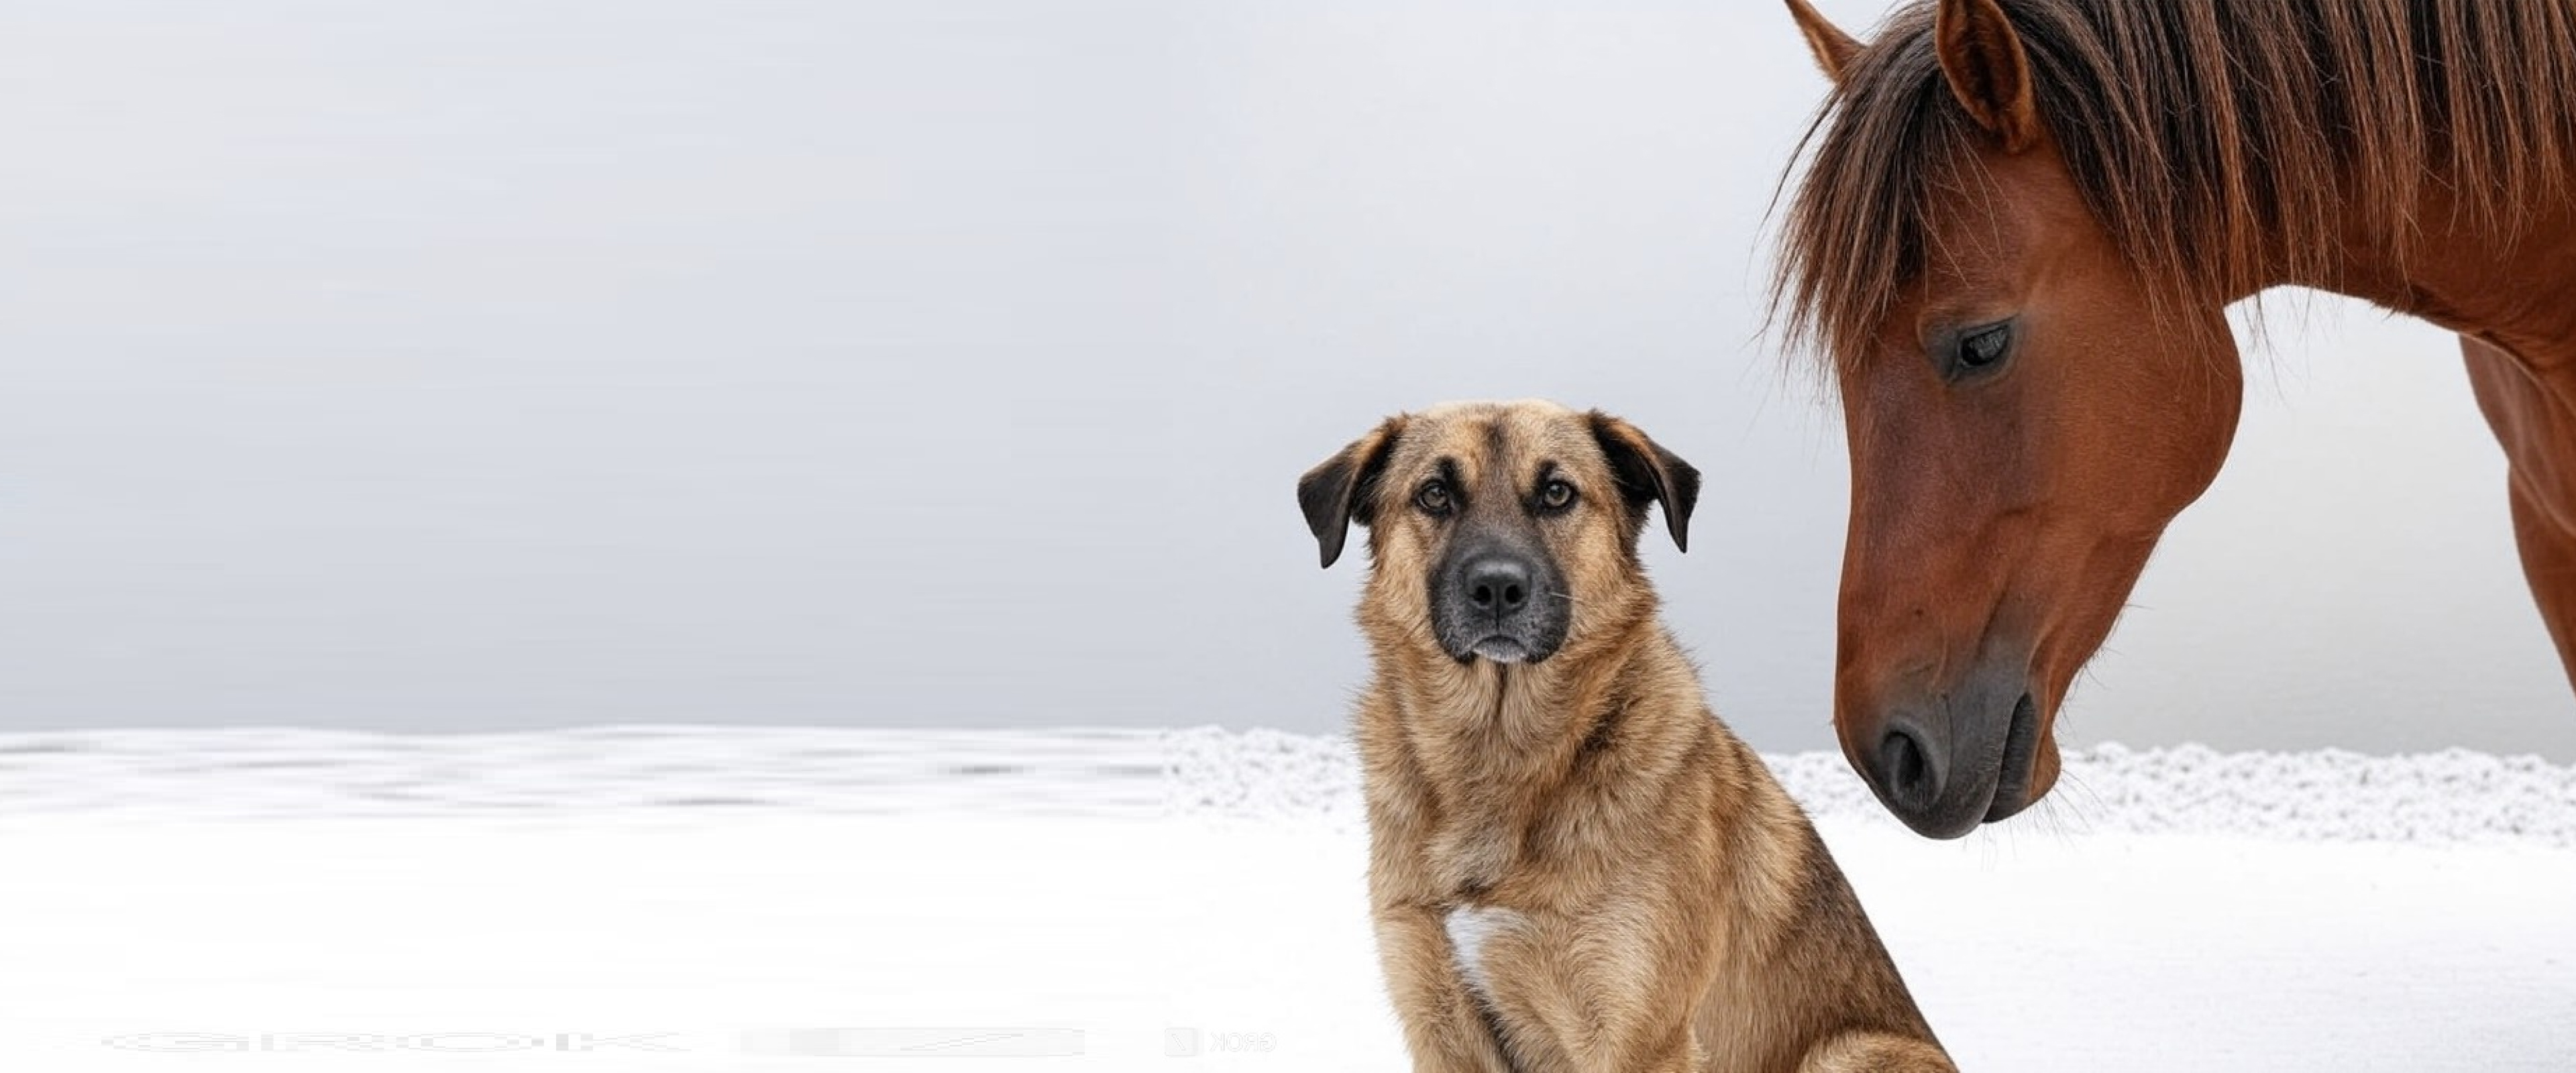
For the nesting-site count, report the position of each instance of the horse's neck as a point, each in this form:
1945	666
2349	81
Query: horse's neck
2510	283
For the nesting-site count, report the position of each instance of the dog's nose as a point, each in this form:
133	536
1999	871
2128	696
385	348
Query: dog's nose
1498	585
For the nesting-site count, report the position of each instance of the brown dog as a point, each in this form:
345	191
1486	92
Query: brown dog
1573	865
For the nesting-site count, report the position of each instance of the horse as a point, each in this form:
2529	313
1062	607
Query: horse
2019	226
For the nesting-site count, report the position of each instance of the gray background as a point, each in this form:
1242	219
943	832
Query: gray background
512	363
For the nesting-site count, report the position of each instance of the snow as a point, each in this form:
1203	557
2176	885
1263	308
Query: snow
732	900
2451	796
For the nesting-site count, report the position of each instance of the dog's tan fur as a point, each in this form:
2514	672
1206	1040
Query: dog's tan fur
1666	906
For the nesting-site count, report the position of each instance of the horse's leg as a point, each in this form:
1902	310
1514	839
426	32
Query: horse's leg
2535	420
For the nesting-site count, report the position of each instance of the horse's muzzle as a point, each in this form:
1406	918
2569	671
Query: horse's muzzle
1946	763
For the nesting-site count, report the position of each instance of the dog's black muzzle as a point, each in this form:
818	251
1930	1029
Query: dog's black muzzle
1500	600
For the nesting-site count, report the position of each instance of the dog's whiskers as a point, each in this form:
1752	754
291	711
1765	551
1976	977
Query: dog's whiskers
1566	598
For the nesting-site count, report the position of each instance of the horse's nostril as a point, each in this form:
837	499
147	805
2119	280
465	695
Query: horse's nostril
1908	772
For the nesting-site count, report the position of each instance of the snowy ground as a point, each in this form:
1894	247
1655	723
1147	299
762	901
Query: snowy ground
728	900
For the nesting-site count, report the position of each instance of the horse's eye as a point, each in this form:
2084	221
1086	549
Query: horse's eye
1433	498
1983	347
1556	495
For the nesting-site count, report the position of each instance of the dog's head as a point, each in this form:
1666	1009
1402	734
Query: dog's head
1499	531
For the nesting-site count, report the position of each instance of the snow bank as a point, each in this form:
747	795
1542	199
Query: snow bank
2449	796
280	772
2454	796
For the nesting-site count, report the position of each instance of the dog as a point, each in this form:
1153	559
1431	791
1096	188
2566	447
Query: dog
1573	866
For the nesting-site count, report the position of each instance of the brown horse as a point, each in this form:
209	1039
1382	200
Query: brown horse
2020	224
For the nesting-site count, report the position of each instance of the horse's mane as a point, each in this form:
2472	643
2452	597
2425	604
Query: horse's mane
2212	140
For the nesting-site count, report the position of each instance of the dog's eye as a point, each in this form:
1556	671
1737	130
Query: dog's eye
1556	495
1433	498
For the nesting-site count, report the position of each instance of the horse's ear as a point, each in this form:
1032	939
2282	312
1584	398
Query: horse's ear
1649	474
1834	48
1988	70
1343	489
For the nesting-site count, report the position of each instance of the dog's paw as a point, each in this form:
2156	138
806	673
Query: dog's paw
1876	1052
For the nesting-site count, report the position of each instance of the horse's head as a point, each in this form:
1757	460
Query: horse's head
2025	412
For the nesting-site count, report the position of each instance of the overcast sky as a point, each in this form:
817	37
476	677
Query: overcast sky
506	363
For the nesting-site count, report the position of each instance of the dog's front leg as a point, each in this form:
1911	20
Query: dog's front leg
1672	1049
1595	1030
1621	1002
1443	1025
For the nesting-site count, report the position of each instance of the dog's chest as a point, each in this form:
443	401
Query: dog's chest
1474	852
1473	856
1473	930
1471	861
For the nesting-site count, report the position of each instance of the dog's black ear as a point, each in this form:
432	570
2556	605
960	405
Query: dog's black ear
1649	474
1344	488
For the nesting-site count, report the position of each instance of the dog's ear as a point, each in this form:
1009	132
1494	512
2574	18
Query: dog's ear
1649	474
1343	489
